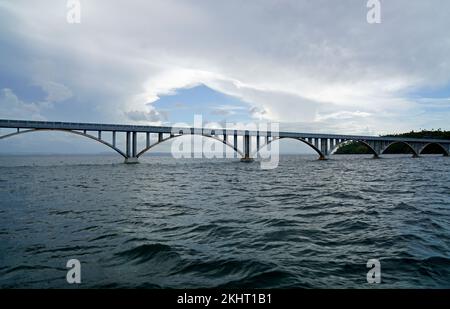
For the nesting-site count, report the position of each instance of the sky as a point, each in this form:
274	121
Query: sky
312	66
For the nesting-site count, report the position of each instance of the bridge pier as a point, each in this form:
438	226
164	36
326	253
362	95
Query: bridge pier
247	143
323	148
131	160
134	145
376	147
128	144
131	148
235	142
258	144
417	147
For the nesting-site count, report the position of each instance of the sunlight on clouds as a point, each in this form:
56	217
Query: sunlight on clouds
295	62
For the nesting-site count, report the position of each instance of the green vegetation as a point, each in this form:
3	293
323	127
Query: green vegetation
359	148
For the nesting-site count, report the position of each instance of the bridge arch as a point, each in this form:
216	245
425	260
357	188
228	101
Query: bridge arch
372	150
445	151
320	153
413	151
191	134
67	131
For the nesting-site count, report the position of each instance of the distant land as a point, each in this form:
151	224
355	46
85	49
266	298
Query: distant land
359	148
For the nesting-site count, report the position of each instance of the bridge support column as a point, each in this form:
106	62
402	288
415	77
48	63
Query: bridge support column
332	144
376	146
417	147
128	144
134	150
131	148
247	145
235	140
323	148
447	149
258	146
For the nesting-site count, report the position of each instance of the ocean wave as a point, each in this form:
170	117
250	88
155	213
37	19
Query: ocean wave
223	267
266	279
149	252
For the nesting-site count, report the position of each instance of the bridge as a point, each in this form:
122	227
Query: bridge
323	144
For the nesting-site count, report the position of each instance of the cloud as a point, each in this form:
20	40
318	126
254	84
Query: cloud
226	110
315	64
14	108
344	115
11	107
152	116
258	112
55	92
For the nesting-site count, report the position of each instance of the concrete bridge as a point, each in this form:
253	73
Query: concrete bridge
323	144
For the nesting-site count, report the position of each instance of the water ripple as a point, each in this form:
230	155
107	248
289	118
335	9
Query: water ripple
218	223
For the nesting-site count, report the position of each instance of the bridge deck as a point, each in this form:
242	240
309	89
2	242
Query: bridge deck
27	124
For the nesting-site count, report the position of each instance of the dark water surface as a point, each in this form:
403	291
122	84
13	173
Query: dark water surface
222	223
